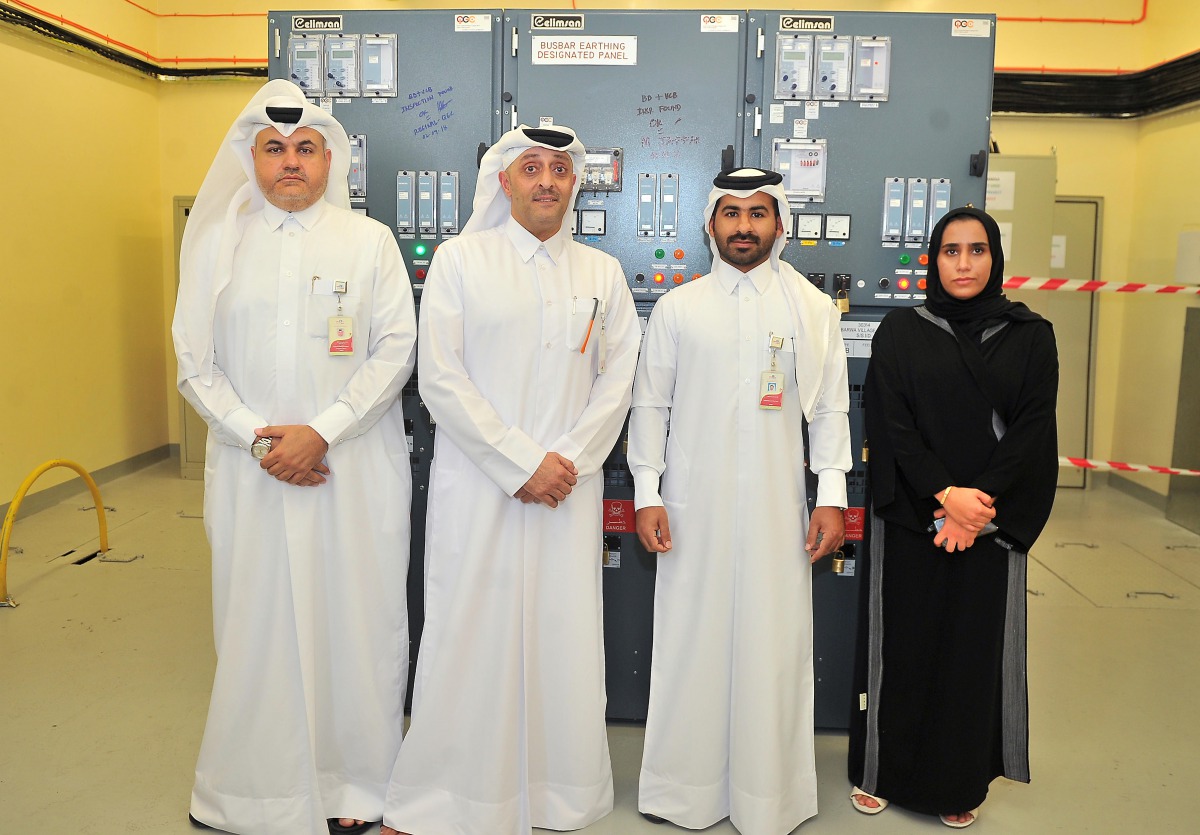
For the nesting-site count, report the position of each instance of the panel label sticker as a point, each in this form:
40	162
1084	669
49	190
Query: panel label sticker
971	27
718	23
472	22
585	49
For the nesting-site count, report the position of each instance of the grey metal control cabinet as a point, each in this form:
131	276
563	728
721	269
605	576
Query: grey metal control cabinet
878	120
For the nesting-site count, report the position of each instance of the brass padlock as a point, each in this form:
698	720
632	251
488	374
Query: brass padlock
843	301
866	451
839	562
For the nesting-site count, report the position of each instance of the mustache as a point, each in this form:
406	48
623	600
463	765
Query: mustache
751	238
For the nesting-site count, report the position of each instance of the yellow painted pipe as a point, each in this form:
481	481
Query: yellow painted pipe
11	517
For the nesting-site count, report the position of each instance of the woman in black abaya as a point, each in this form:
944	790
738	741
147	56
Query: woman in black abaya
960	418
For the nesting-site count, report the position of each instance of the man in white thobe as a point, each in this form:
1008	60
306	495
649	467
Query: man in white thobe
732	366
295	333
527	348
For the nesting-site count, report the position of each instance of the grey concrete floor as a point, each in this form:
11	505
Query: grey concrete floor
105	671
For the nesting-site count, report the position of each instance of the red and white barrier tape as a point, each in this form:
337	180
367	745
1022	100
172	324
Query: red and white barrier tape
1025	282
1121	466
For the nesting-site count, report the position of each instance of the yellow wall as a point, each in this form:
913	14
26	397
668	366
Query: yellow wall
81	290
162	145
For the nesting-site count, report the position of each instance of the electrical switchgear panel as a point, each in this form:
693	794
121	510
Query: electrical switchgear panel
843	104
896	155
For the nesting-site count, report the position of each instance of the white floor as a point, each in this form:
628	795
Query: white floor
105	671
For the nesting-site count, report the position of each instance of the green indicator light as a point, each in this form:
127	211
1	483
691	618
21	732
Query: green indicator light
660	253
905	258
420	250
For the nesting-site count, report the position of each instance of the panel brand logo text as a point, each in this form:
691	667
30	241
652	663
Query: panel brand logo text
557	21
317	23
805	23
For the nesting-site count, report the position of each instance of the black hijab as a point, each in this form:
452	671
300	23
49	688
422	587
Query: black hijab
975	315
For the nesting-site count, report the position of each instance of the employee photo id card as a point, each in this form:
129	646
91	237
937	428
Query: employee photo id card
341	336
770	394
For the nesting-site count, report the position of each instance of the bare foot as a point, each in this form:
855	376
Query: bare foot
384	829
866	800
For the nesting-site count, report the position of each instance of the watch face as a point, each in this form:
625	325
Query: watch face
260	448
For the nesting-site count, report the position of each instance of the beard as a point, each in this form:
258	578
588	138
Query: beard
744	258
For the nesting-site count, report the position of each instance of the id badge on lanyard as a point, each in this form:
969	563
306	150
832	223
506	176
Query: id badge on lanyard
341	327
770	392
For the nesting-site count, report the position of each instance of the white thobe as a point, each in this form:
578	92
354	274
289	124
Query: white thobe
729	731
309	607
507	727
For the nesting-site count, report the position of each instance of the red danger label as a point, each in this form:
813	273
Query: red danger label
618	516
856	518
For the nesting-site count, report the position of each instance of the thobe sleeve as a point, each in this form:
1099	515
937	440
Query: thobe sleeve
653	395
378	381
588	443
230	420
892	412
504	453
829	430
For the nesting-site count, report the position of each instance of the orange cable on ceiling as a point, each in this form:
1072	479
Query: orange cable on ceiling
196	14
1101	20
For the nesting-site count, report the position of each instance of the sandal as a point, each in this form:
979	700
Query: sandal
336	828
864	808
961	824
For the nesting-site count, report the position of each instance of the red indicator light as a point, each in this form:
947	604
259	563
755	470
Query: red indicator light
923	259
903	283
421	273
920	284
659	278
678	278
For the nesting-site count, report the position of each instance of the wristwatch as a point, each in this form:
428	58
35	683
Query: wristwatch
260	448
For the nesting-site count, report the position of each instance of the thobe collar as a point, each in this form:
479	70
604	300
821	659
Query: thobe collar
275	216
527	243
729	276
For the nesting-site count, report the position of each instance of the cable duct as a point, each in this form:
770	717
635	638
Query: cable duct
75	40
1165	87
